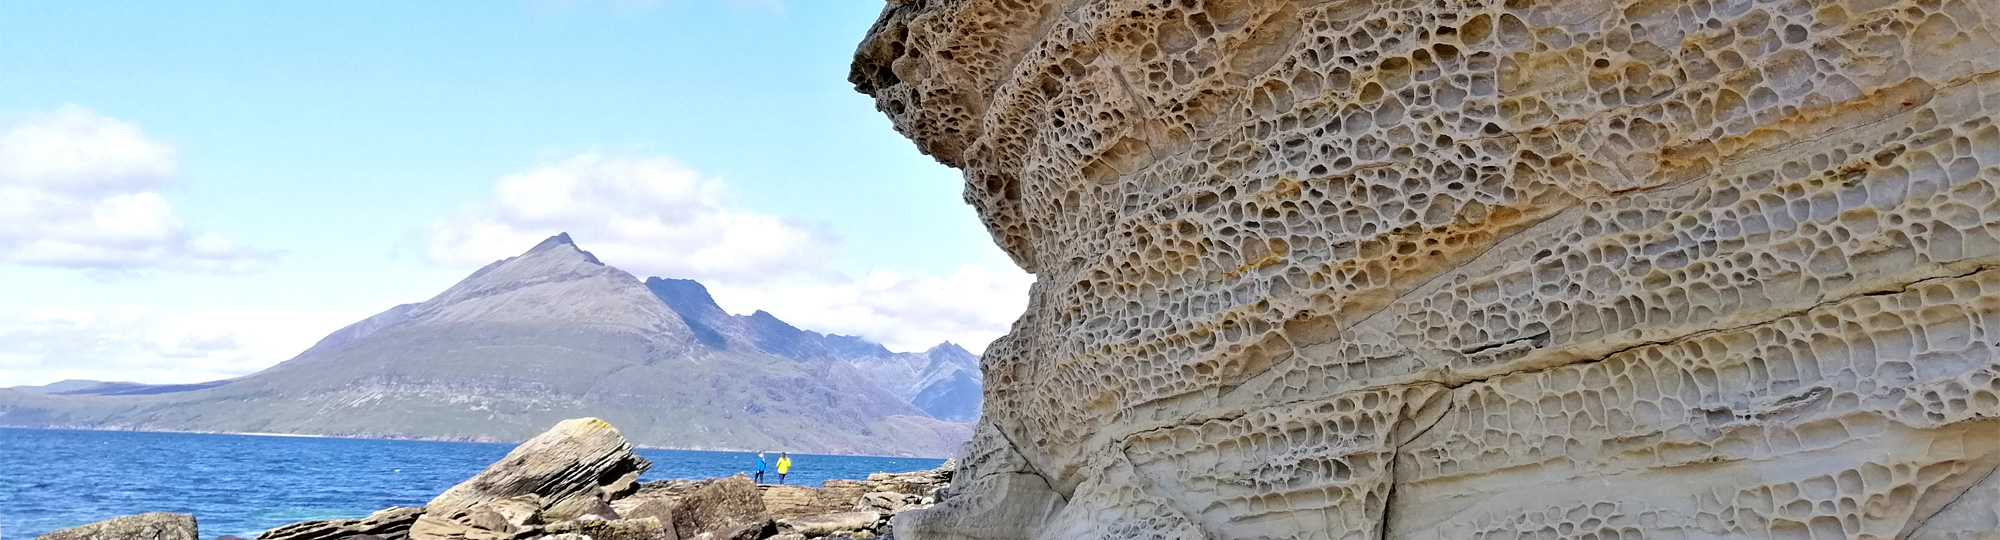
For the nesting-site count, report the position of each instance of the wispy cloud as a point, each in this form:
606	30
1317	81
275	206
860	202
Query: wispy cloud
81	190
654	217
970	307
142	344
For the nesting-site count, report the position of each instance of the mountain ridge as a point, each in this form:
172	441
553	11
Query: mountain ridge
552	332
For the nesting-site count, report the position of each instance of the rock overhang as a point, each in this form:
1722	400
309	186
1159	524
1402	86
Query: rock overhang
1610	236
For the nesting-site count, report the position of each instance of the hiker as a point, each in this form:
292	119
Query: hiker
760	467
784	466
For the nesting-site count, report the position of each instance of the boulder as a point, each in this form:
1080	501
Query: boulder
723	504
576	468
756	530
789	501
615	529
660	509
829	524
153	526
389	524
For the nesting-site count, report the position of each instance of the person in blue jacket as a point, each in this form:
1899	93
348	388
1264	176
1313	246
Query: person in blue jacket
760	467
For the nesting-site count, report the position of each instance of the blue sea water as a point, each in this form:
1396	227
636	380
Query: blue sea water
241	485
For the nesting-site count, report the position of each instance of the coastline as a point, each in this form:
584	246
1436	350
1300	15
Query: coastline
370	437
583	478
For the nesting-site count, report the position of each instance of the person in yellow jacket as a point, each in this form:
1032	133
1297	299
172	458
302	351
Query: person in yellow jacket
784	466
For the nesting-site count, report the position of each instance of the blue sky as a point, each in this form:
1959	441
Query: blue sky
191	190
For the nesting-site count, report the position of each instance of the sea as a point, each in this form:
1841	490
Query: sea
241	485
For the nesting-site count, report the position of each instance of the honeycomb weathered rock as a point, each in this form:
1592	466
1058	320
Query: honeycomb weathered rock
1474	268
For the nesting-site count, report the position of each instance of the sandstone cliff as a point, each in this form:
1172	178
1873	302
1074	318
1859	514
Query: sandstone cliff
1473	268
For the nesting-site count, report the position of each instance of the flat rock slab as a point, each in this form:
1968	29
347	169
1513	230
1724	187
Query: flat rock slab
389	524
827	524
153	526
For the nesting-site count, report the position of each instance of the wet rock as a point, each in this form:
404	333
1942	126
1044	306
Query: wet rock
153	526
576	468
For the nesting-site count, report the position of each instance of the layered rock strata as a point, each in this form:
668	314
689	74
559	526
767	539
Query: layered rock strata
1472	269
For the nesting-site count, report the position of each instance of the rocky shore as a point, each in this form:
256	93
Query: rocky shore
579	481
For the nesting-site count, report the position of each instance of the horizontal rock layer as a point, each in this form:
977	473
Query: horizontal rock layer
1466	269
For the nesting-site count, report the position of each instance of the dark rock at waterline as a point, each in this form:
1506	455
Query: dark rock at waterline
153	526
390	524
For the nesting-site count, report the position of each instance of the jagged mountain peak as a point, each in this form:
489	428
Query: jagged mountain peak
949	348
554	281
855	346
688	297
562	245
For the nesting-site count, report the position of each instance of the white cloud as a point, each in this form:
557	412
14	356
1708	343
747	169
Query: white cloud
649	214
970	307
654	217
143	345
80	190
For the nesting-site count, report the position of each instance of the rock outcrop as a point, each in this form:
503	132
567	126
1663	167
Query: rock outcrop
388	524
574	470
152	526
1473	268
577	481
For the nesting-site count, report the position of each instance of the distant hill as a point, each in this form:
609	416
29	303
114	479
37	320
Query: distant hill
78	387
554	334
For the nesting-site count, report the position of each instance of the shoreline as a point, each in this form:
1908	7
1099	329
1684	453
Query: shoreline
579	480
420	439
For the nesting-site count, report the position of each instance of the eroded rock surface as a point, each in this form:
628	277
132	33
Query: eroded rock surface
1473	269
149	526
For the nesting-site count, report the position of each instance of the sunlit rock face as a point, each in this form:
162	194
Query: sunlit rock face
1464	269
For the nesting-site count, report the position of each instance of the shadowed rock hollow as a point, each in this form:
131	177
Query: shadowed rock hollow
1473	269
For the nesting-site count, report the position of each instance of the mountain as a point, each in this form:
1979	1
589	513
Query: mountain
533	339
80	387
944	381
59	387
